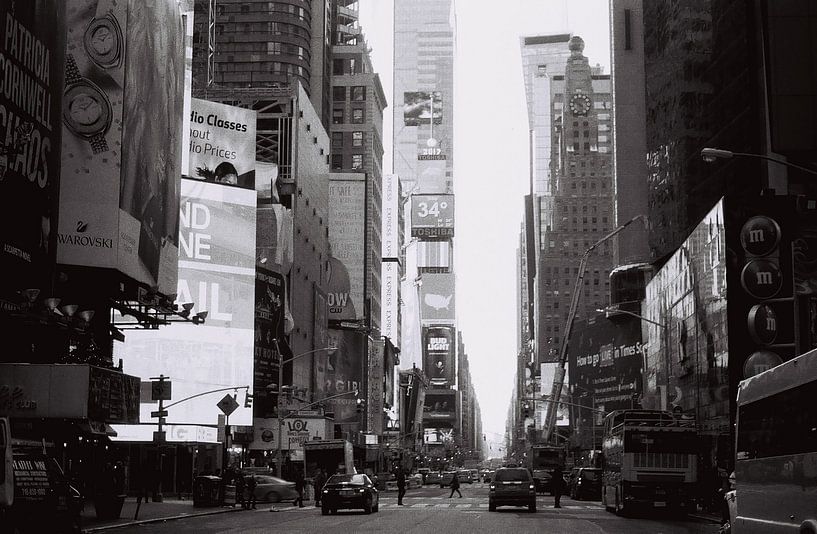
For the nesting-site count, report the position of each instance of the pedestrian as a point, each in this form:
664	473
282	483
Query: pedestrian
239	490
401	485
320	480
455	485
300	482
557	485
251	484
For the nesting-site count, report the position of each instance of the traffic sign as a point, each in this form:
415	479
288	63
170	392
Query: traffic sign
159	437
227	405
160	390
159	413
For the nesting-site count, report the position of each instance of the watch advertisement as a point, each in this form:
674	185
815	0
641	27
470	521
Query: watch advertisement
32	45
122	130
438	354
222	144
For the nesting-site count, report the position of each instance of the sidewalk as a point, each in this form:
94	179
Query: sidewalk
149	512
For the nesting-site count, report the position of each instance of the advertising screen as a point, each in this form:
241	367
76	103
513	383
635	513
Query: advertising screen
420	107
123	141
440	405
434	255
437	294
438	354
432	216
222	143
30	146
217	275
347	229
344	373
270	295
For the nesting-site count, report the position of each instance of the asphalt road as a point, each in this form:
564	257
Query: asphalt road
429	510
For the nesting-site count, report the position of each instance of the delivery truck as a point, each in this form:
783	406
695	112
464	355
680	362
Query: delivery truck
333	455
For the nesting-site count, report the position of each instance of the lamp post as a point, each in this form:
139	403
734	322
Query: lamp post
709	155
281	362
559	375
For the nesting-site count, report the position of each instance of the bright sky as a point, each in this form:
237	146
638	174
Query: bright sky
490	165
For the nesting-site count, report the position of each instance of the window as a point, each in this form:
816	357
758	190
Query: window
339	94
357	139
359	93
357	161
357	116
337	162
337	67
337	116
337	139
628	45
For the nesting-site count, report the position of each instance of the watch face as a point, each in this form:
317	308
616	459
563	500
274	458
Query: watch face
580	104
86	109
103	41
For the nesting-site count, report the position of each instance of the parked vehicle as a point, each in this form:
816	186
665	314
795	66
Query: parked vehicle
433	477
465	476
512	486
445	479
488	475
273	489
585	483
542	480
349	492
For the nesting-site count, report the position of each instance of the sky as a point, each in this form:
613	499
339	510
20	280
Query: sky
490	166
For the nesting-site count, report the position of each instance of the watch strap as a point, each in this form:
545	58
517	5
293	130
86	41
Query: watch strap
72	74
98	143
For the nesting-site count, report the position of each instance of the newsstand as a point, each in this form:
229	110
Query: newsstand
206	491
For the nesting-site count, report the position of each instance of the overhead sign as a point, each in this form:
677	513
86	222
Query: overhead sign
160	390
227	405
432	215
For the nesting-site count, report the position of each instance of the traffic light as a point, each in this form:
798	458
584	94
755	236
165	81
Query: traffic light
361	405
526	412
247	400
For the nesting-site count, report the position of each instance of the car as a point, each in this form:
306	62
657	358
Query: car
542	480
512	486
446	477
465	476
349	492
585	483
273	489
488	475
432	477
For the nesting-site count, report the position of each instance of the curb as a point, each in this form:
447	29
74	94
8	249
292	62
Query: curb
158	520
705	517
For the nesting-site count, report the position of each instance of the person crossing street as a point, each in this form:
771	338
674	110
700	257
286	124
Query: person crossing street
401	485
558	486
455	486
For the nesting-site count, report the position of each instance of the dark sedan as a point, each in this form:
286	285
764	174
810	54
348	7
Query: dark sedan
349	492
585	483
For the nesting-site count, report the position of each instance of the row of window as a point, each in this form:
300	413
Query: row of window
263	7
266	47
338	139
356	162
584	185
273	67
358	116
357	93
272	28
347	66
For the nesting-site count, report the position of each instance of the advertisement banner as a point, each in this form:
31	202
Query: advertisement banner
432	215
437	294
438	354
440	407
217	275
320	337
390	301
375	382
344	373
347	230
434	255
270	295
274	236
32	46
222	144
295	431
390	213
421	107
123	141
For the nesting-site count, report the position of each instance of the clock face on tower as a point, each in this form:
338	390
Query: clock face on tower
579	104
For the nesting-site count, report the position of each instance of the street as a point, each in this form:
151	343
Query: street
430	510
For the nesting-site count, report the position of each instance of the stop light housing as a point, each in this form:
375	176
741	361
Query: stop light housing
247	400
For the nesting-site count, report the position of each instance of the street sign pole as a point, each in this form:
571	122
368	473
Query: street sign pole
160	390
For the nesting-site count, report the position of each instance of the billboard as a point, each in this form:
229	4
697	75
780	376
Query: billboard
390	213
421	107
440	407
344	373
375	394
347	230
270	296
390	301
438	354
123	141
437	298
222	143
30	144
434	255
217	274
295	431
432	216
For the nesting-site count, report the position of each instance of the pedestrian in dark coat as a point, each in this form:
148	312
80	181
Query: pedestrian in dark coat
557	485
455	486
320	480
299	487
239	490
251	484
401	485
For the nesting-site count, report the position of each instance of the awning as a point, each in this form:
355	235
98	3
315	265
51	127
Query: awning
97	428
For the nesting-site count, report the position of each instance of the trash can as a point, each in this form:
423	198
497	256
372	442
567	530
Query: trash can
205	491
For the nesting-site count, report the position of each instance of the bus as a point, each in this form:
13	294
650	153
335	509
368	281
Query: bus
649	461
776	449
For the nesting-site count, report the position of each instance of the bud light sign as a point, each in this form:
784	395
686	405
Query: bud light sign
438	354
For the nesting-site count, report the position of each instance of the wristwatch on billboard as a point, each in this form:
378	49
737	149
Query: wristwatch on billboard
86	109
103	41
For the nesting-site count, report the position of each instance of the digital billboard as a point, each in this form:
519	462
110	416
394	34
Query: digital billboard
420	107
123	141
437	298
270	298
432	216
434	256
222	143
347	230
32	47
217	275
344	373
438	354
440	407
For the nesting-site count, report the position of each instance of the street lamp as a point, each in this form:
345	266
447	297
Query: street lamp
281	362
709	155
